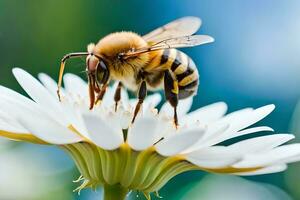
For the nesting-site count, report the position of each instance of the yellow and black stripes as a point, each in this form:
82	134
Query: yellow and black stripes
160	60
165	56
179	64
186	74
181	67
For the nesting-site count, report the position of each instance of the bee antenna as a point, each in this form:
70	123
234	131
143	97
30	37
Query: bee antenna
97	56
62	68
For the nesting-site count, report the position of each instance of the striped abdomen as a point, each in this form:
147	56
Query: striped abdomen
182	67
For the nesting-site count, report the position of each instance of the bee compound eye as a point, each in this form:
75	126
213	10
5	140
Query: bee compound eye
102	73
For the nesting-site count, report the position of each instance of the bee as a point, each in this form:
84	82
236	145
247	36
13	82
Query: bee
141	63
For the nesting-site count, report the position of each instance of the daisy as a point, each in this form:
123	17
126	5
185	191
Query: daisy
119	156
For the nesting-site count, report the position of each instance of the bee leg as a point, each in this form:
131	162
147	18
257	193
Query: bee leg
91	80
171	93
142	93
101	94
97	88
117	96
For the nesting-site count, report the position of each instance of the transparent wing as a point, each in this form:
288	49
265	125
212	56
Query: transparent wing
179	42
184	41
181	27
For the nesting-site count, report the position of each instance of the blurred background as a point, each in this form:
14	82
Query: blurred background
254	61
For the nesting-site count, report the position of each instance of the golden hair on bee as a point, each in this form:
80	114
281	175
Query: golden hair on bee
144	62
112	45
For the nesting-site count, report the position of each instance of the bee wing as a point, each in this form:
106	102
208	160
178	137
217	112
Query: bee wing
179	42
180	27
184	41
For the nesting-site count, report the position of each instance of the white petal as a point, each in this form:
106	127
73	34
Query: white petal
258	114
231	134
125	117
183	107
210	137
75	85
233	116
48	130
73	111
213	157
9	124
108	97
292	159
206	114
34	119
16	104
246	117
253	130
277	155
166	125
266	170
50	84
242	119
261	144
152	101
178	142
40	95
8	114
12	96
101	133
124	95
143	133
12	128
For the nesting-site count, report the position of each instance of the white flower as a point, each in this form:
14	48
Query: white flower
110	151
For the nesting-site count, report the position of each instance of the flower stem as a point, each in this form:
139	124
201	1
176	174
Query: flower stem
115	192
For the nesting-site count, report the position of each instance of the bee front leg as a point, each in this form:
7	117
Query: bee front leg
142	93
171	93
101	94
91	83
117	96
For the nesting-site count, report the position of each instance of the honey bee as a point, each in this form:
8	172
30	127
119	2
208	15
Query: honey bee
141	63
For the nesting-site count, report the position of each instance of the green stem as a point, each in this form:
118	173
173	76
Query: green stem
115	192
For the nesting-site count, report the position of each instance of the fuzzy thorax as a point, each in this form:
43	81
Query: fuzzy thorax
112	45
